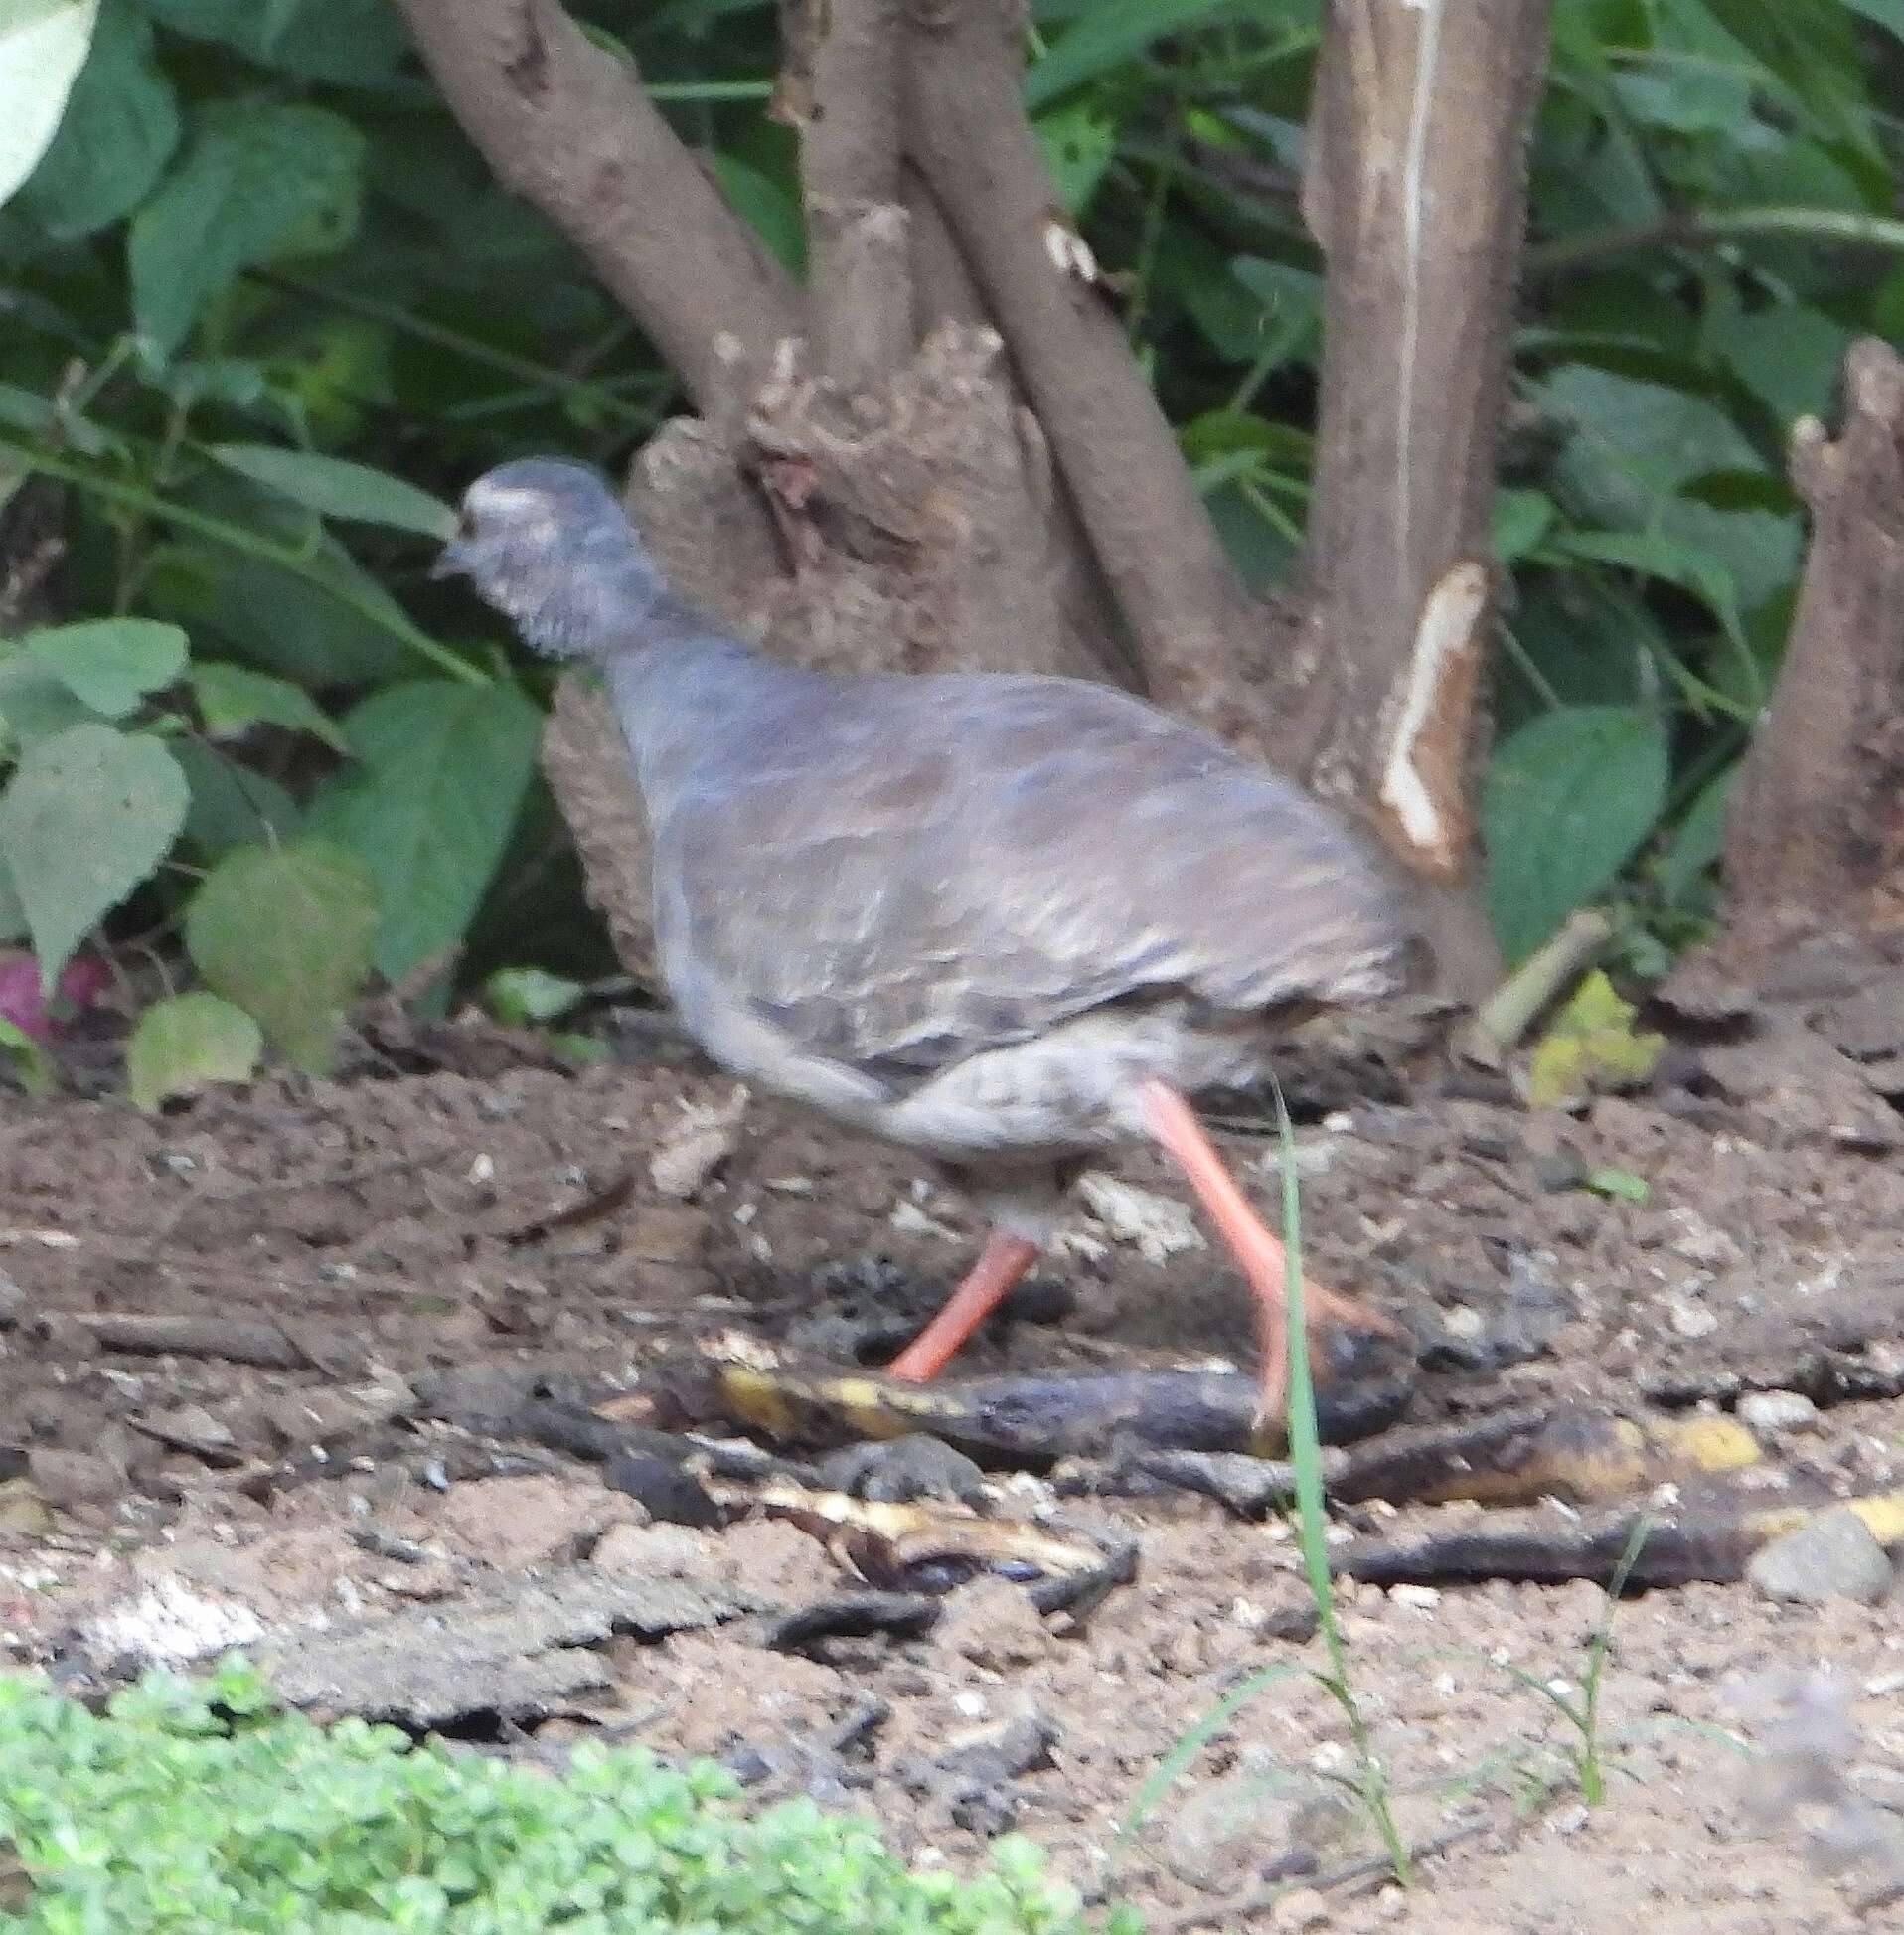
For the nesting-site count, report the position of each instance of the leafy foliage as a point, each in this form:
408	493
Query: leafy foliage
268	313
186	1042
201	1807
285	933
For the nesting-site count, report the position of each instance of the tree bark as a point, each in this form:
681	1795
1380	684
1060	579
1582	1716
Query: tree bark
1416	192
1192	624
1815	831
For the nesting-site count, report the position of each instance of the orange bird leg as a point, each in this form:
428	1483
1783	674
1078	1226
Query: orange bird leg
1001	1263
1260	1256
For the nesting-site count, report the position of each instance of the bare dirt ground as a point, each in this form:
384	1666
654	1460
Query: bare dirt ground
365	1236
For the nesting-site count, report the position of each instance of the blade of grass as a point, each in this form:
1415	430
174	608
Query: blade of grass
1306	1456
1184	1750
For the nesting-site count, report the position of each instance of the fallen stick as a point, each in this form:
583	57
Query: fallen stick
235	1338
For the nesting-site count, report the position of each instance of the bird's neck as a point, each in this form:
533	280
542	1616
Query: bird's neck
685	689
596	610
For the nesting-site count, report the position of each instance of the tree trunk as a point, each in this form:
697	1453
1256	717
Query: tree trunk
1815	831
1415	190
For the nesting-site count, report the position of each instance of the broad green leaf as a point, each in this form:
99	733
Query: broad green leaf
85	818
1684	98
258	181
43	47
1105	37
1696	572
231	805
1565	805
110	664
233	699
285	933
1078	142
313	627
1809	44
442	770
1635	444
187	1043
1522	518
120	127
356	42
1788	357
335	488
766	208
36	702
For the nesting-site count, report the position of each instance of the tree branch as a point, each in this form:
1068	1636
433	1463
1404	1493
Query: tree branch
1815	831
566	124
1706	228
841	87
967	130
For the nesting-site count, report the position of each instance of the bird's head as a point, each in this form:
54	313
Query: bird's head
546	544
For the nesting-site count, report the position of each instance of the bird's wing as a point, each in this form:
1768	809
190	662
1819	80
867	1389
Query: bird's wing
949	865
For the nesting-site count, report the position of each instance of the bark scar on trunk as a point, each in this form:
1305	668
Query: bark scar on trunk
1423	789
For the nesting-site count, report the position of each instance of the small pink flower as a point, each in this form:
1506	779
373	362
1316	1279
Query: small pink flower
83	980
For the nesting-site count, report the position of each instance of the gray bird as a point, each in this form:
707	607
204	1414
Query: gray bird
1000	921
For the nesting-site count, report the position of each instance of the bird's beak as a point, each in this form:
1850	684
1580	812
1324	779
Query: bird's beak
450	562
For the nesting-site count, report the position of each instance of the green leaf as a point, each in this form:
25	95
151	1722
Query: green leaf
86	817
1105	37
257	182
527	996
335	488
277	616
233	699
13	917
231	805
286	932
1788	357
1635	444
186	1042
110	664
1686	100
43	47
31	1064
355	41
36	702
1565	803
1696	572
1522	518
1592	1044
1078	142
1697	842
766	208
120	127
442	770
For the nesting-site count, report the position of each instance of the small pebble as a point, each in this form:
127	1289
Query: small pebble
1689	1320
1830	1556
1424	1598
1300	1908
1777	1410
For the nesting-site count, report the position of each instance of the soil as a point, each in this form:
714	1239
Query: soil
368	1234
